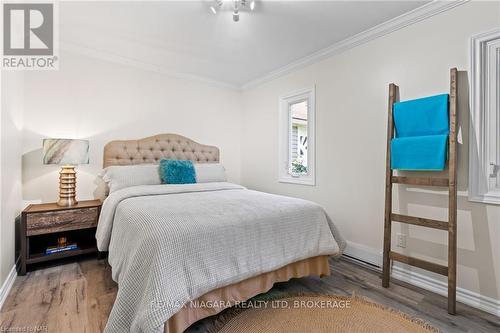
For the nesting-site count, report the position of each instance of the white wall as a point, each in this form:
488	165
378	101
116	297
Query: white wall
351	118
103	101
10	165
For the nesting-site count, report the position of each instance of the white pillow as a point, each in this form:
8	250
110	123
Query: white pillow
121	176
210	172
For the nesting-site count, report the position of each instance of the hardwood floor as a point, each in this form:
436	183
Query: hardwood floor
77	297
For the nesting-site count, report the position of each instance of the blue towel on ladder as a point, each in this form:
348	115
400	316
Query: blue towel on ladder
422	129
423	116
424	153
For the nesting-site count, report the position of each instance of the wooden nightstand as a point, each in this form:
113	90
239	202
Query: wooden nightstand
42	224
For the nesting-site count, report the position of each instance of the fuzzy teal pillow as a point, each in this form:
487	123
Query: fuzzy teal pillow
177	172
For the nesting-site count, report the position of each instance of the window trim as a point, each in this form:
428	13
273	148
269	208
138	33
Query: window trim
284	137
479	129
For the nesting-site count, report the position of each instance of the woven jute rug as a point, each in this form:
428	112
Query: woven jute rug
316	314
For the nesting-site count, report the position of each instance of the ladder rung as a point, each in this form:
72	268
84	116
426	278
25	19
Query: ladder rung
422	181
420	221
430	266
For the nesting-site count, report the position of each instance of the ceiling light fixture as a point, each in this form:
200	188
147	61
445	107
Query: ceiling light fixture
217	4
236	15
236	7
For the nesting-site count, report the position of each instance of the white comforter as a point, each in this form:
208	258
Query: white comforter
170	244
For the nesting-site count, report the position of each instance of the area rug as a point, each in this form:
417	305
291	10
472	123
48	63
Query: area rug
316	314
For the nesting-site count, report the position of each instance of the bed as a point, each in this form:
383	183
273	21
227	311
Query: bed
174	247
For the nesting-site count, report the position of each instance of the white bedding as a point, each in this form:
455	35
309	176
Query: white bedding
170	244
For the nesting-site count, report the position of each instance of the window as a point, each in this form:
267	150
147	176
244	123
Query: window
484	137
296	141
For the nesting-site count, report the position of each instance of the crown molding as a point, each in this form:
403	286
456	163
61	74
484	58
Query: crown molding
134	63
414	16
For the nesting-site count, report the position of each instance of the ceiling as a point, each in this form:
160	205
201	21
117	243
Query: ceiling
185	38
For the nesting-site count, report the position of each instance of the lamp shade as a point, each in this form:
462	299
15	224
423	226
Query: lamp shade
65	151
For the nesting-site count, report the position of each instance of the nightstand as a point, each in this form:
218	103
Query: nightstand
43	224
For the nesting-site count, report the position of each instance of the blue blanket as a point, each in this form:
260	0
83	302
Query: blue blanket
421	136
423	153
423	116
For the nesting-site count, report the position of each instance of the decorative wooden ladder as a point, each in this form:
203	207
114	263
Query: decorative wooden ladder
450	182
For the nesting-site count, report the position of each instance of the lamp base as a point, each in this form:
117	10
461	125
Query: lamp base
67	186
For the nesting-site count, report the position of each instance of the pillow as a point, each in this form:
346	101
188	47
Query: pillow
121	176
177	172
210	172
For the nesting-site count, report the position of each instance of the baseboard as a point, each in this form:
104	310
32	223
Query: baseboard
7	285
420	279
473	299
361	263
363	253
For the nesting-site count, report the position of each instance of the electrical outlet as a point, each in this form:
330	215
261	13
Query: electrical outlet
401	240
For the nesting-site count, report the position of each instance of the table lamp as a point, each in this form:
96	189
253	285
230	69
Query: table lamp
68	153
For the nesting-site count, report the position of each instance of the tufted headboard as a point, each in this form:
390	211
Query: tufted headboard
152	149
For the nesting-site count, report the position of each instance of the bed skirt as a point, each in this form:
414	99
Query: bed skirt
244	290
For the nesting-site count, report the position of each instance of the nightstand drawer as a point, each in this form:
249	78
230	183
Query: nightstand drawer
63	220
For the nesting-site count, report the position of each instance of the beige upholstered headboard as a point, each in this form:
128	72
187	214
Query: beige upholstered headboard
152	149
